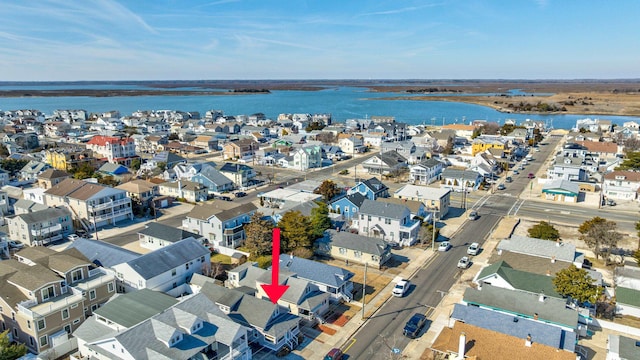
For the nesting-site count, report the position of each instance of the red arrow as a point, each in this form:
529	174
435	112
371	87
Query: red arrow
275	290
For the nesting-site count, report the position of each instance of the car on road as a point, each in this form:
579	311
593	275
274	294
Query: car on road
473	249
516	172
223	197
508	179
444	246
413	327
16	244
611	202
401	288
82	233
531	176
334	354
464	262
73	237
473	215
501	187
241	194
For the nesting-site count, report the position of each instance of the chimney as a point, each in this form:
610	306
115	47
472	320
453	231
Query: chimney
558	243
541	297
527	343
553	259
480	286
535	316
461	346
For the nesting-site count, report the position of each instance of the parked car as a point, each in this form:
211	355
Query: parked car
73	237
413	327
516	172
531	176
401	288
501	187
223	197
508	179
241	194
82	233
15	244
444	246
473	215
334	354
464	262
611	202
473	249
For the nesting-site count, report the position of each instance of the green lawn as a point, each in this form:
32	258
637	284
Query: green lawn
222	259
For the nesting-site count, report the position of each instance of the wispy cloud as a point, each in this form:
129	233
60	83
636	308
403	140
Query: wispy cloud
250	41
398	11
542	3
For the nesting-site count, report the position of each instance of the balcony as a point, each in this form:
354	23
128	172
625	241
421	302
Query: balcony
233	230
109	204
32	309
97	277
111	215
45	231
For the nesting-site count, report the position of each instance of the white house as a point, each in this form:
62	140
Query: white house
622	185
436	199
390	222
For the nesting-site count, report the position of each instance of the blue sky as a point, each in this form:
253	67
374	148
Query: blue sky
49	40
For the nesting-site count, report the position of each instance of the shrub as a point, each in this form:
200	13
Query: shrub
302	252
264	261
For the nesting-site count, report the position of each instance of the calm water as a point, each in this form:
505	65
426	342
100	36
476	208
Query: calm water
343	103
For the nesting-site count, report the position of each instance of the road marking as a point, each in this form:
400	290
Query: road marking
353	341
429	312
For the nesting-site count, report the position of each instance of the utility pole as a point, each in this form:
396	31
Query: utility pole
433	230
364	289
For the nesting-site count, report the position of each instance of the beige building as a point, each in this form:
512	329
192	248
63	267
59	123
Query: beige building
141	190
40	227
354	248
93	205
45	295
184	189
51	177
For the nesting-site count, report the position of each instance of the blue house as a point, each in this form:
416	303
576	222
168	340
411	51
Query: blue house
347	205
213	179
371	188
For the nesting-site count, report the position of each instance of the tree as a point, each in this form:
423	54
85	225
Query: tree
576	283
448	149
12	166
491	128
636	256
4	151
84	171
258	235
10	351
319	220
545	231
632	162
601	236
295	231
135	164
328	189
326	137
162	166
173	136
631	145
425	233
108	180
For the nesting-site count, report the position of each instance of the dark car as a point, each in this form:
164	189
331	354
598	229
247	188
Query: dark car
413	327
241	194
225	198
531	176
334	354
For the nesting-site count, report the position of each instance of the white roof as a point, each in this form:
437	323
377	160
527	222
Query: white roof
422	192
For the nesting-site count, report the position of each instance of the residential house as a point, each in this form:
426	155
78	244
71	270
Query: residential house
461	180
117	171
240	174
4	177
354	248
351	144
627	290
4	246
437	200
485	142
425	172
593	125
461	130
207	142
184	189
24	206
167	269
5	205
307	157
371	188
285	198
272	326
561	190
390	222
487	165
347	205
157	235
149	325
463	340
602	151
93	205
333	280
502	275
620	347
333	153
45	295
568	168
222	224
523	328
69	158
140	191
239	149
621	185
51	177
212	178
32	169
389	163
550	250
40	227
417	208
114	149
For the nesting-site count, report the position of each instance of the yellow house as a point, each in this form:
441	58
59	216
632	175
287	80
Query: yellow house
68	158
483	143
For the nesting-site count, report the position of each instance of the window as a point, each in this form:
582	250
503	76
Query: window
186	266
109	288
47	293
92	295
41	324
67	328
31	341
44	341
76	275
65	314
28	324
76	321
387	221
343	251
173	272
357	253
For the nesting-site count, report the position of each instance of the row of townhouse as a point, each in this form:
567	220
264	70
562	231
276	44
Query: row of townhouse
45	295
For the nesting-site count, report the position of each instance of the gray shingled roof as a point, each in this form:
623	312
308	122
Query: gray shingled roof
525	304
365	244
169	257
248	273
166	232
236	211
44	215
383	209
102	253
355	198
315	271
468	175
538	247
540	332
215	176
